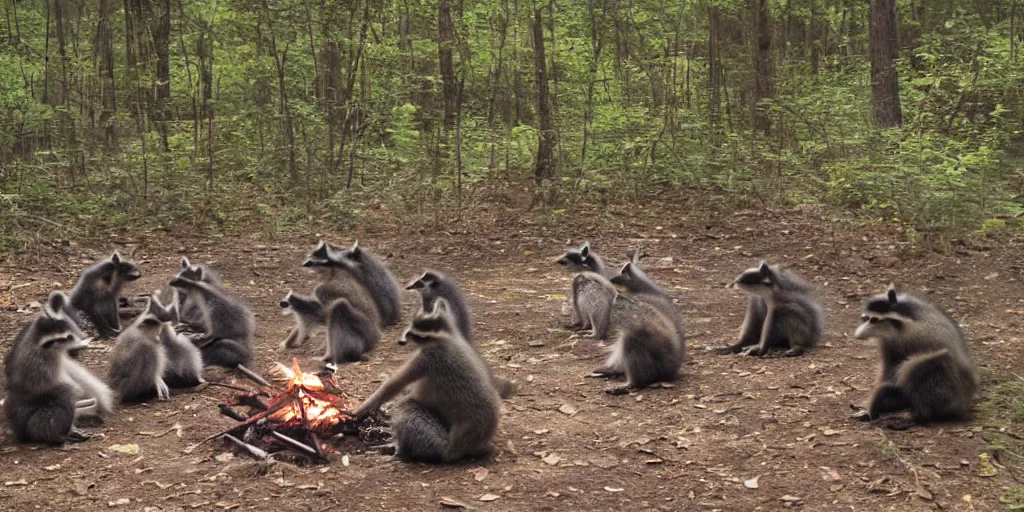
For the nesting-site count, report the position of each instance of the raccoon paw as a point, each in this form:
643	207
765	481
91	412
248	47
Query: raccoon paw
756	351
900	422
861	414
386	449
574	326
620	390
162	391
77	435
731	349
793	352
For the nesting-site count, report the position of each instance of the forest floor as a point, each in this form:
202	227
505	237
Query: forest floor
733	422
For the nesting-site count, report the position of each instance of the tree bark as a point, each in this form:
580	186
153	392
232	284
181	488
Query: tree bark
764	87
714	68
543	166
162	38
108	90
885	93
445	41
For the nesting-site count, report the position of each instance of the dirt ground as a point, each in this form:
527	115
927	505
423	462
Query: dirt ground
778	424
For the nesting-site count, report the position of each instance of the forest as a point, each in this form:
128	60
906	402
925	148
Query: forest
213	113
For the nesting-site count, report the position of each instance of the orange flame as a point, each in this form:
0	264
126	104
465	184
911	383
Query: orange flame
322	409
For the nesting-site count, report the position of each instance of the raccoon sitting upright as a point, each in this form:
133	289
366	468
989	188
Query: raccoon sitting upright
433	286
651	346
228	324
452	410
187	306
376	278
781	312
98	291
184	367
138	360
926	365
592	297
47	390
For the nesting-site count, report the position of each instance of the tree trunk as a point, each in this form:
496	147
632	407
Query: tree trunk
162	38
108	91
714	68
543	166
445	41
763	81
885	93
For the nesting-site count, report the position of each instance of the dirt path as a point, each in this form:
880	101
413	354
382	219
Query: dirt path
732	419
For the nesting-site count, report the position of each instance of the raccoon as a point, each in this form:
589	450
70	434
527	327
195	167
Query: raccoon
781	312
98	291
433	286
591	297
309	314
651	346
47	390
452	410
338	281
184	367
189	312
228	323
139	359
926	365
376	278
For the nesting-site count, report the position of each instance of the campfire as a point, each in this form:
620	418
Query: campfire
307	419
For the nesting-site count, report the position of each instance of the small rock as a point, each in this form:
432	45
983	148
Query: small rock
551	459
489	497
753	483
568	409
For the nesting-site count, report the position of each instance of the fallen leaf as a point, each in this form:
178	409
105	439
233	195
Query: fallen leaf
614	489
479	473
225	505
127	449
158	484
118	503
829	432
552	459
985	467
224	457
541	431
557	297
656	460
923	493
54	467
344	460
830	475
454	503
753	483
568	409
14	483
790	499
489	497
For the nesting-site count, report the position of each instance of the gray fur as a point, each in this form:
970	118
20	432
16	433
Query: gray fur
593	298
432	286
338	280
46	389
228	323
651	346
308	313
781	312
584	260
138	361
189	312
98	291
452	410
926	364
184	367
350	334
376	278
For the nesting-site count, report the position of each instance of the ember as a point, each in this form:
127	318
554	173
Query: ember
310	410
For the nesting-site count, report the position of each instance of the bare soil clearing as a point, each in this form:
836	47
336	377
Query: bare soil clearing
737	433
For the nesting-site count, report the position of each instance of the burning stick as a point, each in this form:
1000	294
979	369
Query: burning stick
253	450
253	376
302	447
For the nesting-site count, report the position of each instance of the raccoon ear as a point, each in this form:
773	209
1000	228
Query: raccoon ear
355	248
585	249
116	257
55	304
185	263
199	274
150	321
320	244
430	277
891	293
149	305
627	268
764	268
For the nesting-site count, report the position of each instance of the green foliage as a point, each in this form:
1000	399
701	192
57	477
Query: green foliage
292	102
